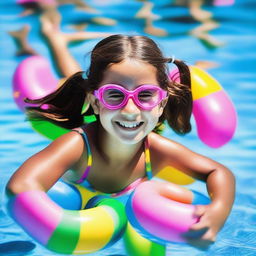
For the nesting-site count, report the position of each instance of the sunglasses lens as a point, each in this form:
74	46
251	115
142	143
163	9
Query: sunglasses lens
113	97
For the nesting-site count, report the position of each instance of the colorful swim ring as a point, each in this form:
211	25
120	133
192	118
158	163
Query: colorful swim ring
137	245
91	221
213	110
163	212
77	197
33	79
68	231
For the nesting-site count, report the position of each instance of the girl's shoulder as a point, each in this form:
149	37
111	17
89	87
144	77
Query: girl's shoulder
69	146
160	141
164	146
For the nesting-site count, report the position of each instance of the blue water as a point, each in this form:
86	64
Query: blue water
236	72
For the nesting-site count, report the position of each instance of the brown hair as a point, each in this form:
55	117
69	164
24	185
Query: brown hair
65	104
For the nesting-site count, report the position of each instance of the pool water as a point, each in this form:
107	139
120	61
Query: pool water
236	61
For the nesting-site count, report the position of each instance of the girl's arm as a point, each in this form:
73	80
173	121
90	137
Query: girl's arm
220	183
42	170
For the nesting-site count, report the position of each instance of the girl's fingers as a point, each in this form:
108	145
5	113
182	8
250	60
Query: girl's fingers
199	225
200	210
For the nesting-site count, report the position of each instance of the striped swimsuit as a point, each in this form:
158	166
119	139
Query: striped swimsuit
85	183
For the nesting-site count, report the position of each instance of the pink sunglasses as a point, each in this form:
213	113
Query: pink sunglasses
114	96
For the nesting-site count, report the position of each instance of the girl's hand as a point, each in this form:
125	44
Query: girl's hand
203	233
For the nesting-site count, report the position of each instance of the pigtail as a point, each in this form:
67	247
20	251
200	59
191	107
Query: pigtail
179	106
64	106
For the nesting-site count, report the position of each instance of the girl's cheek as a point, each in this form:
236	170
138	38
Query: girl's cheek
157	112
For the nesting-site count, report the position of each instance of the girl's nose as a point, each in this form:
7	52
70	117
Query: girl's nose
130	108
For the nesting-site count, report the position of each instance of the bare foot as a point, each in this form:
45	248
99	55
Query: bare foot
155	31
79	5
50	26
52	14
20	38
104	21
200	14
201	32
205	27
146	12
205	64
84	35
80	27
27	12
196	11
150	29
83	6
208	40
53	33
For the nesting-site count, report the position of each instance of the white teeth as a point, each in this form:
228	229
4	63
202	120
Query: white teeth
129	124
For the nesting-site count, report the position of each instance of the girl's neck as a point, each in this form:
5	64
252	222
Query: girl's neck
114	150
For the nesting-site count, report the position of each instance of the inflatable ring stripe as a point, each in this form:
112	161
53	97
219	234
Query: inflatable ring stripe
86	230
214	112
202	84
174	214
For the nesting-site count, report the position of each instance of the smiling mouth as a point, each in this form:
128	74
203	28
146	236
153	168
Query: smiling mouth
129	125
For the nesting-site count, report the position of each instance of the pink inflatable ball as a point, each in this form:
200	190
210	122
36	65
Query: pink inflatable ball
214	112
33	79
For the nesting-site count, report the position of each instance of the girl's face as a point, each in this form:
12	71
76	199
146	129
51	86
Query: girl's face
129	124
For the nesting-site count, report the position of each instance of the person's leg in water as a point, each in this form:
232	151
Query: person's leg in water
146	13
38	6
35	6
196	11
202	33
58	42
207	23
80	4
20	38
152	30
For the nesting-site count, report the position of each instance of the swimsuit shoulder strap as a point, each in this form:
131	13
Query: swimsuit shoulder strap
148	166
148	170
89	156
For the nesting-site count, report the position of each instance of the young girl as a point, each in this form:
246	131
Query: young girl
128	89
